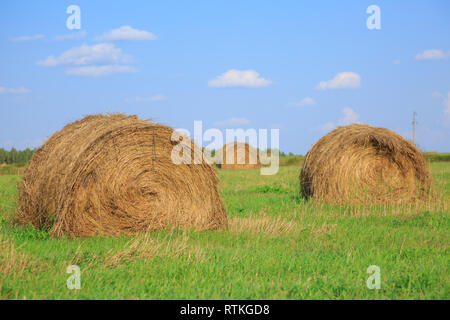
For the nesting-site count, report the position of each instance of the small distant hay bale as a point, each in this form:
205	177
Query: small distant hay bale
363	164
113	174
238	156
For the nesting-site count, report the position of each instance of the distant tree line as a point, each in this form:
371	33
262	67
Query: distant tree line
15	156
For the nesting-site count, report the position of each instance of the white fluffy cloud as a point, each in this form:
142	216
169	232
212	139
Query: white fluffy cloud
432	54
99	60
20	90
343	80
233	122
126	33
100	71
103	53
303	103
350	117
238	78
326	127
28	38
446	102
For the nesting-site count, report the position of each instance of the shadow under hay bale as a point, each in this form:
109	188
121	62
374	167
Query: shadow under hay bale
238	156
363	164
114	174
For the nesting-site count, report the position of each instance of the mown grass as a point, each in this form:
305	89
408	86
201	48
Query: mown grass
277	246
437	157
12	169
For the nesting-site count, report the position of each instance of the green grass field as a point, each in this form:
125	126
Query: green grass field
277	246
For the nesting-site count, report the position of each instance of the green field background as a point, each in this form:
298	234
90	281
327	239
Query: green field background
277	246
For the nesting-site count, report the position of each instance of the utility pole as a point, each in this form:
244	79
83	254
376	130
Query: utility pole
414	127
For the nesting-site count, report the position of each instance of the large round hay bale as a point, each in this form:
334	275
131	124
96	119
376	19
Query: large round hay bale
238	156
363	164
114	174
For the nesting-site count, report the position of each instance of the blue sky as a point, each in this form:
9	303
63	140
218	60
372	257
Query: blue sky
303	67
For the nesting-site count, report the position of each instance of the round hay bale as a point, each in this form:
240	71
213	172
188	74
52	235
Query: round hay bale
238	156
363	164
113	174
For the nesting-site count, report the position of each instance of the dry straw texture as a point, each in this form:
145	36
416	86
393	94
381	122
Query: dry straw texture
114	174
245	157
360	164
